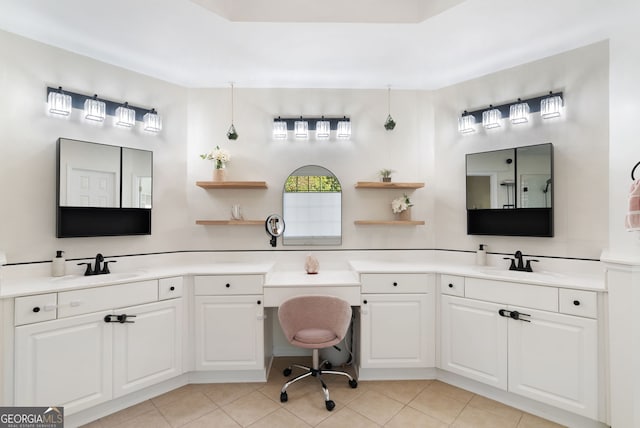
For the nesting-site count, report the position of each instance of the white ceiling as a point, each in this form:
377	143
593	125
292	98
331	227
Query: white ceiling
208	43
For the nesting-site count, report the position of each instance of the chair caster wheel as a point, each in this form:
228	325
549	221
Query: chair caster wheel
353	383
284	397
328	365
286	372
330	405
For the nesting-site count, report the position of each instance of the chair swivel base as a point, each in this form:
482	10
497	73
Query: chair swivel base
317	373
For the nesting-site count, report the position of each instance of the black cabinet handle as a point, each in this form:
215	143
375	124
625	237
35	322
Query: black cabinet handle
364	301
259	302
395	284
227	285
513	315
36	309
172	288
123	318
576	302
450	285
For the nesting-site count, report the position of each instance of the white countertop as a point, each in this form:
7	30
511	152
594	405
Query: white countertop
288	278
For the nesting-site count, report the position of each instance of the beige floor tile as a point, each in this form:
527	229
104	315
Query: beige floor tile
472	417
483	403
173	395
530	421
310	407
250	408
347	418
375	406
116	419
187	408
225	393
451	391
411	418
437	405
152	419
280	418
400	390
216	419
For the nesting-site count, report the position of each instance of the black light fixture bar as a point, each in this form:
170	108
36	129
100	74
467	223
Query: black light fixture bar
333	121
77	101
534	106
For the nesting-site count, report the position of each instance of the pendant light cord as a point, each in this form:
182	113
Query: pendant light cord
389	101
232	103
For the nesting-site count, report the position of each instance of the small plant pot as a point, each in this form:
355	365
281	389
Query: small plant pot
219	174
386	179
404	215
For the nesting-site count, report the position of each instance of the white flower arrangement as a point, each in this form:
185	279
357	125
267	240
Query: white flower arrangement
401	204
218	155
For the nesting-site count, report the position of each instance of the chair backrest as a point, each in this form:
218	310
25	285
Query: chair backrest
321	312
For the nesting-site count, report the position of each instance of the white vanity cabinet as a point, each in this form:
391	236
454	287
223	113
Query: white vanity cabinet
229	322
86	356
397	321
515	337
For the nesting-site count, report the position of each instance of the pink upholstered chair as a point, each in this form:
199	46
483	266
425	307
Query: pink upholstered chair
315	322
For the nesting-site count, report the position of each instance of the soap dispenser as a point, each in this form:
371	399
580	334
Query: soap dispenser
481	256
58	264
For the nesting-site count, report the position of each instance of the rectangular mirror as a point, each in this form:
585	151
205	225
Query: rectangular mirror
102	190
509	192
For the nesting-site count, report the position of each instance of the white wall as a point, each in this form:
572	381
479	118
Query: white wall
580	140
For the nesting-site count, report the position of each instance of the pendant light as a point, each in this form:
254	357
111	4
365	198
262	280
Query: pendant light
519	112
550	106
491	118
152	122
279	129
231	133
94	109
466	123
59	103
323	129
343	130
301	129
125	116
389	124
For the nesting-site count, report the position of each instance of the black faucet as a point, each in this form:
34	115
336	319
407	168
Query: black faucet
521	266
97	270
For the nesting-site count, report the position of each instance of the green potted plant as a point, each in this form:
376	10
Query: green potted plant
385	174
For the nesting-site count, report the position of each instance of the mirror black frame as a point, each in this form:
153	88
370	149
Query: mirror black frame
76	222
534	222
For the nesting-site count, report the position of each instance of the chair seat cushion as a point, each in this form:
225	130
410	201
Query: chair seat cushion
314	336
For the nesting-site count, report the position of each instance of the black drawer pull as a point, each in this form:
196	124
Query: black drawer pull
172	288
227	285
364	301
450	285
36	309
259	302
395	284
576	302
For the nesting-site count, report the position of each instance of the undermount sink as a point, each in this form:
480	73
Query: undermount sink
520	275
97	278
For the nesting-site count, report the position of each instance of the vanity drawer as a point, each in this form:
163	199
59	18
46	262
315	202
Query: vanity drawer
452	285
78	302
512	293
30	309
397	282
221	285
579	302
169	288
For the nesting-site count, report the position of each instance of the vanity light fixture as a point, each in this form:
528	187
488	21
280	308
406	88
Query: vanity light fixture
152	122
95	109
301	129
551	106
279	129
343	129
323	129
125	116
519	112
491	118
466	123
59	103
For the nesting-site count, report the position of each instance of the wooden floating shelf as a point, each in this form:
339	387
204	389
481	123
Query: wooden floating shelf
391	222
389	185
232	184
230	222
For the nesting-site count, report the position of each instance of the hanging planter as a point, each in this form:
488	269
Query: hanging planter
389	124
232	134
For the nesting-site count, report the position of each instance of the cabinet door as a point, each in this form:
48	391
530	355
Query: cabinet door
553	359
397	331
148	349
229	332
474	340
64	362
